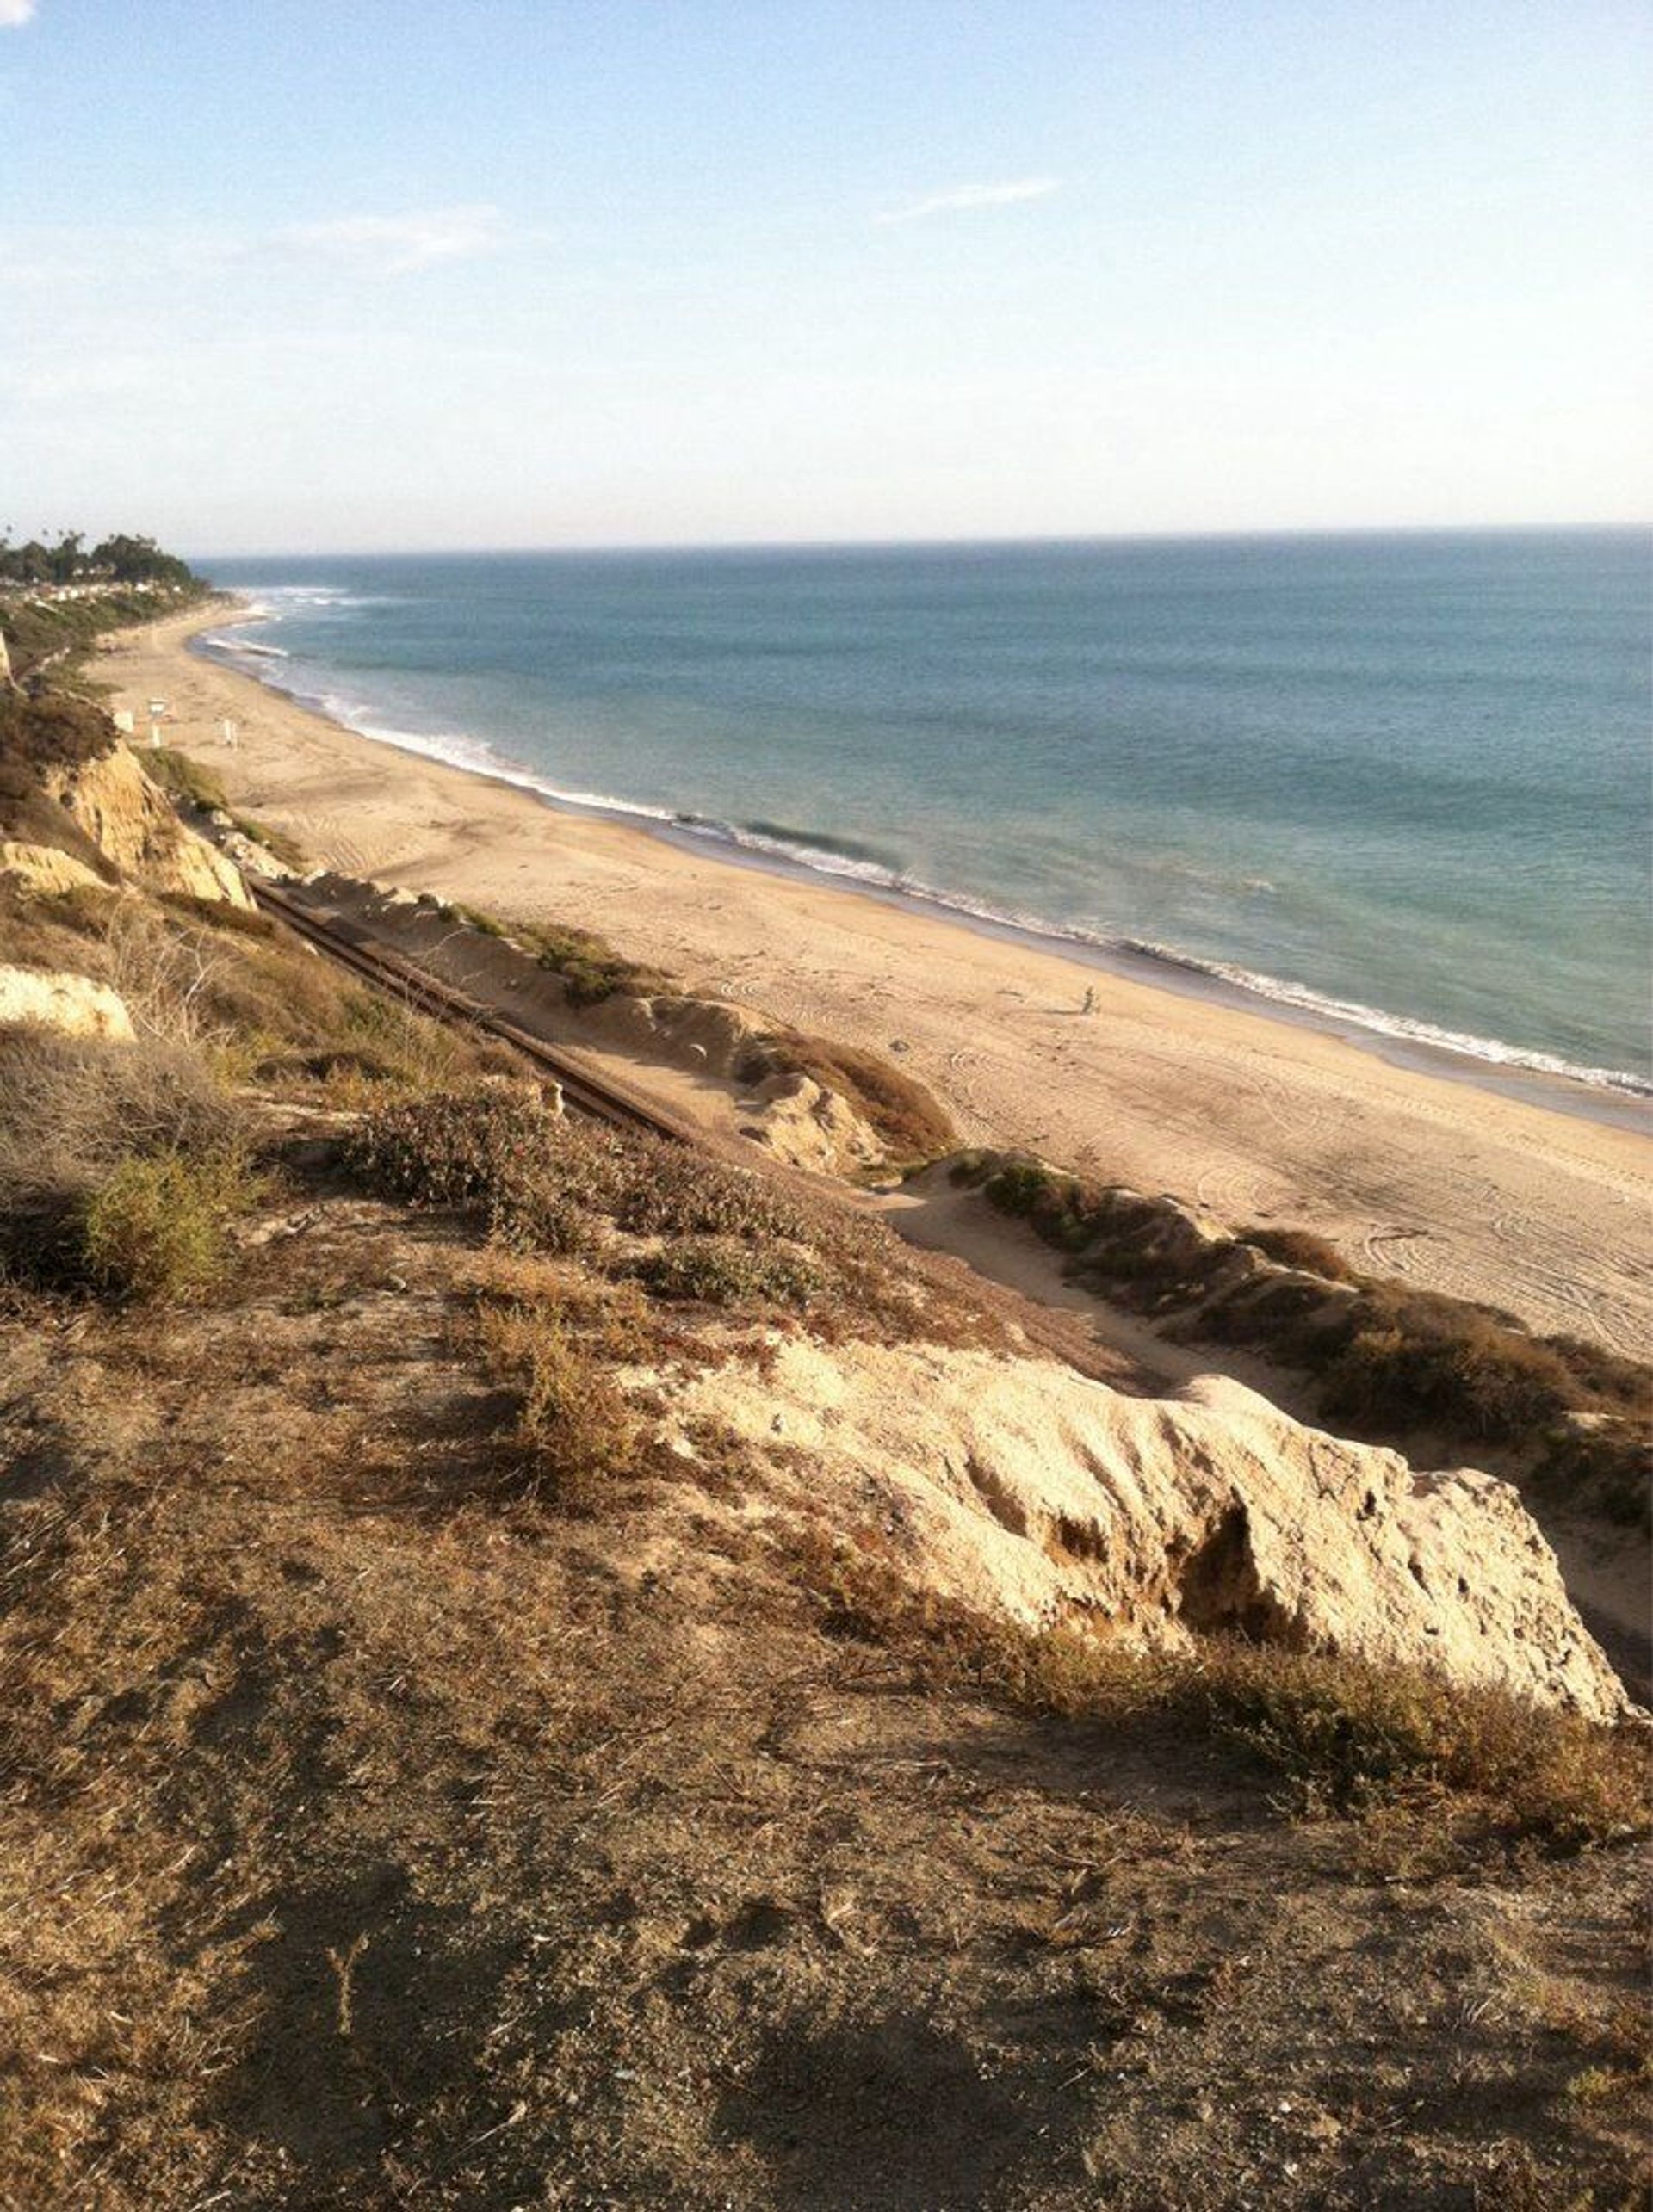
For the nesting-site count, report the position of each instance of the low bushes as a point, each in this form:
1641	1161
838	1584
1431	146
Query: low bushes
722	1271
73	1112
276	842
1301	1248
495	1152
119	1165
573	1438
538	1182
1343	1737
154	1229
1348	1737
589	966
681	1194
1401	1359
717	1235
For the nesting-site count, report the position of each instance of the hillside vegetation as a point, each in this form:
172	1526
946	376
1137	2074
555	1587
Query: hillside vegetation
57	600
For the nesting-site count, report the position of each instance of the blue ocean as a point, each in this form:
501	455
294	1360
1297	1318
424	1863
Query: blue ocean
1401	779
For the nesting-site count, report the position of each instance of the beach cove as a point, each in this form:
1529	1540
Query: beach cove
1537	1208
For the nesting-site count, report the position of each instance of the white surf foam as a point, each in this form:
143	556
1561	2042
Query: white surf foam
457	748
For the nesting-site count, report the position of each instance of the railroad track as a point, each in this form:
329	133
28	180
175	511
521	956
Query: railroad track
1058	1334
598	1098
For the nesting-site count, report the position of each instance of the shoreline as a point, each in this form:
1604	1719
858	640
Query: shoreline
1454	1177
1616	1098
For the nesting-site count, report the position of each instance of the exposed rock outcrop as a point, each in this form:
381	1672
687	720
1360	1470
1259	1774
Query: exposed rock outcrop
249	856
61	1001
808	1125
45	869
1022	1487
133	824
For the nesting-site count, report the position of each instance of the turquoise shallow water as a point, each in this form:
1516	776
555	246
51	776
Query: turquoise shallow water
1404	777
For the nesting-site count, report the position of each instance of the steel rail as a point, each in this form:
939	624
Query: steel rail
1056	1332
598	1098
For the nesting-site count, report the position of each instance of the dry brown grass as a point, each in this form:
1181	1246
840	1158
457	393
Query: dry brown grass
80	1118
275	1011
1341	1736
1300	1248
374	1830
572	1440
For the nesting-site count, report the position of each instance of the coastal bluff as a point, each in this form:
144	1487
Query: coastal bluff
539	1650
1018	1487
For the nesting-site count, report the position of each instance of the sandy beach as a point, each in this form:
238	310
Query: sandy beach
1445	1182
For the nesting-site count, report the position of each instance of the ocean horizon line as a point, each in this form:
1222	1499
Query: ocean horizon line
1260	534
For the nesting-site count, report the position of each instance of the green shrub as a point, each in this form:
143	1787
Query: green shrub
73	1112
276	842
487	925
155	1229
1055	1204
589	966
183	779
722	1271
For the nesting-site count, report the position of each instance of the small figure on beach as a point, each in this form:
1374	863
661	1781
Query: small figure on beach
1089	1007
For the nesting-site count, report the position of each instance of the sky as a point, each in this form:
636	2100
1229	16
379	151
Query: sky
414	273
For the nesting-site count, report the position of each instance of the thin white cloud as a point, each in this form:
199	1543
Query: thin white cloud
389	245
965	196
13	13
